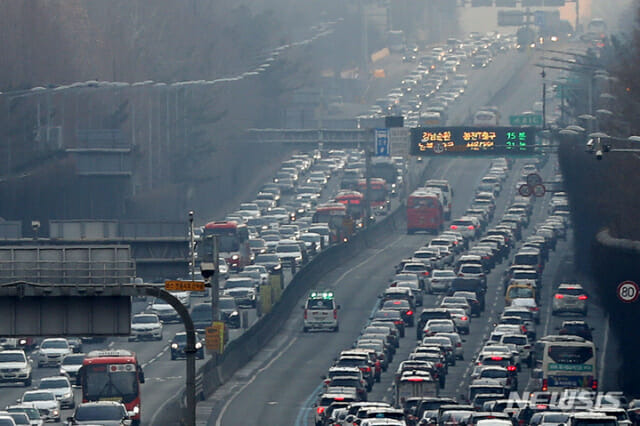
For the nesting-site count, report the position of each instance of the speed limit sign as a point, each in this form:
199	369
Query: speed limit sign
628	291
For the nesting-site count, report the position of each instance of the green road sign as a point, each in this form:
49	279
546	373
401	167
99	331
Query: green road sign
526	120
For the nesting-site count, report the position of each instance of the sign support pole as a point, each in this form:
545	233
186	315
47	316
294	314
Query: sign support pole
215	283
367	192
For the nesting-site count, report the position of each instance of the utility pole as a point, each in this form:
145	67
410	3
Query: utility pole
215	283
192	251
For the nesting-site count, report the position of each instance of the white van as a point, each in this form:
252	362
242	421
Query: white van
447	193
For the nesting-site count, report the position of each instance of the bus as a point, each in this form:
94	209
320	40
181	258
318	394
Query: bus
424	212
233	243
385	168
113	375
341	225
378	194
566	362
354	201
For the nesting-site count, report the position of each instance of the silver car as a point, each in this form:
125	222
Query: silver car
570	298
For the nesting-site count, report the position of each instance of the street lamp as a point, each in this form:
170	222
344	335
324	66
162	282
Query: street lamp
191	246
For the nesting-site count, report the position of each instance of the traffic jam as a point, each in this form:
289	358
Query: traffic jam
517	376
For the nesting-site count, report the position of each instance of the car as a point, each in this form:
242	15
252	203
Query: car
164	311
146	327
179	343
321	311
101	412
441	280
473	270
529	304
71	365
438	326
271	261
6	420
15	367
460	319
261	269
52	351
45	401
243	290
61	388
229	311
576	328
32	413
570	298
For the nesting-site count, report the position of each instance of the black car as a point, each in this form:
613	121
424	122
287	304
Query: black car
229	311
576	328
178	344
391	316
270	261
426	315
407	311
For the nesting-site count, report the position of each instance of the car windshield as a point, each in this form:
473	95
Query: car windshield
38	396
99	412
238	282
145	319
319	304
256	243
227	303
471	269
395	304
54	383
571	291
31	412
54	344
443	274
12	357
493	373
288	248
269	258
73	360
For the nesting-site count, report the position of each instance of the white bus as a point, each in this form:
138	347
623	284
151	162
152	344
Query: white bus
566	362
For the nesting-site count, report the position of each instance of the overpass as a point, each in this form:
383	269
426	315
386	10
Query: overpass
350	137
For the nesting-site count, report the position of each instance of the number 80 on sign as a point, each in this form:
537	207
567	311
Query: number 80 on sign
628	291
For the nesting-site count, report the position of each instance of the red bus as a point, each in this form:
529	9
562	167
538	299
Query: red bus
113	375
424	212
378	194
354	201
233	243
340	222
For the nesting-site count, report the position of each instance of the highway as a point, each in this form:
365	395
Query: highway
283	382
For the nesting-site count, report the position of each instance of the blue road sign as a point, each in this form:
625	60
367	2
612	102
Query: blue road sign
382	142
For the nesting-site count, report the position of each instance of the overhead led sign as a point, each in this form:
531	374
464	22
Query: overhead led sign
472	140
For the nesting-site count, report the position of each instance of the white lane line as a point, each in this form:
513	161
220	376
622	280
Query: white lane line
243	387
603	355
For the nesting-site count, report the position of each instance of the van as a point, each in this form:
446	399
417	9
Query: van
447	192
529	257
202	316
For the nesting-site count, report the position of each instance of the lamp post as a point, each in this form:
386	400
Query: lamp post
192	251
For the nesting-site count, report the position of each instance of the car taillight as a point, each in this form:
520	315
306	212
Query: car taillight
305	314
327	381
464	318
409	313
425	273
496	358
439	365
320	410
535	308
335	314
454	227
523	329
582	297
397	322
367	369
594	384
459	344
545	385
511	368
559	296
471	227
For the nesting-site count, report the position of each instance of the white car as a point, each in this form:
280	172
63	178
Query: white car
32	413
15	367
164	311
52	351
45	401
289	252
570	298
71	366
61	388
264	274
183	296
146	326
441	280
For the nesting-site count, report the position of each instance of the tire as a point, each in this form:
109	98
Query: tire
173	357
27	383
336	328
378	379
305	329
410	231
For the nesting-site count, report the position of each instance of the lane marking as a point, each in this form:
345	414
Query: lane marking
301	418
254	377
